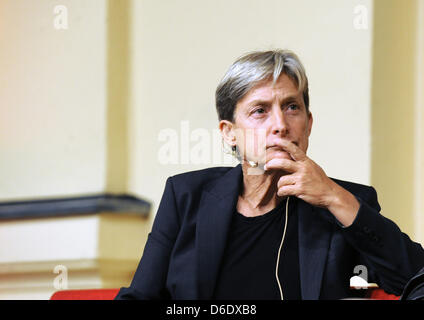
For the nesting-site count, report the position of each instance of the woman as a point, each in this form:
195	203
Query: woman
275	226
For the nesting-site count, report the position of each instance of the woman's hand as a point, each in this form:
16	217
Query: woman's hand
307	181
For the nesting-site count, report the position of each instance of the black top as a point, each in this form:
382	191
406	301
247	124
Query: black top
248	265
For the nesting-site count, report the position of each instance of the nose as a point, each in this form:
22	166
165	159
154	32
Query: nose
279	124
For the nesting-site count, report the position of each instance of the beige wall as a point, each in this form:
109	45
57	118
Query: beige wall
61	133
52	99
419	128
397	104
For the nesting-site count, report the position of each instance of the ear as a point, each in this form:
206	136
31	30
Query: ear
310	121
227	131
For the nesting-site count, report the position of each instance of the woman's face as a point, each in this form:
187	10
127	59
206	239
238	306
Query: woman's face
265	116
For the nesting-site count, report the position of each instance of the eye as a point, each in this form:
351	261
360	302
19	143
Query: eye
258	110
293	107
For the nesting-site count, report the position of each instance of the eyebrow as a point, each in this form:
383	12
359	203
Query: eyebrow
264	101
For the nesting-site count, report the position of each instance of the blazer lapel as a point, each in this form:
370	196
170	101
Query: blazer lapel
314	240
216	208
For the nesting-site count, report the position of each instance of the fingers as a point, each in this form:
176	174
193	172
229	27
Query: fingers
287	186
295	152
281	164
286	180
289	190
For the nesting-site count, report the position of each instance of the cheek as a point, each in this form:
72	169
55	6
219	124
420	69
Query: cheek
251	142
305	139
251	137
300	132
249	132
256	142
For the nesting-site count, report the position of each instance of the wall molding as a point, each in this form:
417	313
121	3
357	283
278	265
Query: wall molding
57	207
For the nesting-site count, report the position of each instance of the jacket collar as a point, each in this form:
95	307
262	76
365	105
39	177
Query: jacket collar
217	205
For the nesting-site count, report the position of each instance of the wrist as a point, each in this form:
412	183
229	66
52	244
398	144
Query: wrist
343	205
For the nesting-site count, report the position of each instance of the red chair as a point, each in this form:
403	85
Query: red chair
380	294
87	294
110	294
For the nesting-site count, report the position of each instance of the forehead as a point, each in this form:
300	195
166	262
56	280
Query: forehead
283	88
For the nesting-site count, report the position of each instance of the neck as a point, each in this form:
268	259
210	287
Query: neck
259	192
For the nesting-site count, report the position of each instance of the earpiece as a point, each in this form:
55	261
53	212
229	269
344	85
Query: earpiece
279	250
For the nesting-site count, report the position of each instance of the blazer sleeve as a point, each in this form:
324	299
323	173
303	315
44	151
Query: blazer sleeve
149	281
391	256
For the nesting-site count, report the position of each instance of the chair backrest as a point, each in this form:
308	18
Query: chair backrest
87	294
380	294
110	294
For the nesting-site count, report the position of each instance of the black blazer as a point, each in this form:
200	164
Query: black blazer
183	252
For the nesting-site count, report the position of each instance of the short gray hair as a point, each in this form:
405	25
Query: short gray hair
252	68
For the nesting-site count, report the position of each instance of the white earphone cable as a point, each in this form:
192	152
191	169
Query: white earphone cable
279	250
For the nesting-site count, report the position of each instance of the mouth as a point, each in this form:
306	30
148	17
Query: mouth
275	146
277	149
